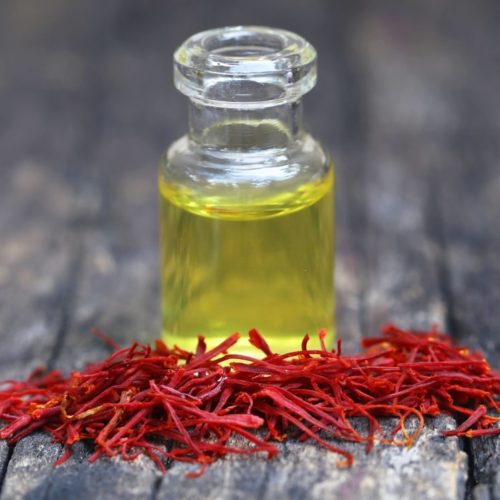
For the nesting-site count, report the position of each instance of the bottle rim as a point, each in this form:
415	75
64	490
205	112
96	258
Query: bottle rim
245	67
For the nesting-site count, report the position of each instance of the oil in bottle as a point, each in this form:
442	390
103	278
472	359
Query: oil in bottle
248	267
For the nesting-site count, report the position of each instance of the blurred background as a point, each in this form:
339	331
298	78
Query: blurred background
407	101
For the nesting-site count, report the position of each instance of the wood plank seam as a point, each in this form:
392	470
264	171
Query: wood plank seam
68	299
434	221
5	465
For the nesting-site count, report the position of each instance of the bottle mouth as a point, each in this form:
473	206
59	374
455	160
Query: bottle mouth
245	67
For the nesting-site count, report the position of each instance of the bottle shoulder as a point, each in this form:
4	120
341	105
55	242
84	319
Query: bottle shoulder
304	159
231	183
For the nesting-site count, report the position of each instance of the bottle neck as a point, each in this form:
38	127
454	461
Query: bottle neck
259	128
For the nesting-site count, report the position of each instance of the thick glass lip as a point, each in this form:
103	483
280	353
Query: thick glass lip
245	67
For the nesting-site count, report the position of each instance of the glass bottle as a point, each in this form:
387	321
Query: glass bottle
246	196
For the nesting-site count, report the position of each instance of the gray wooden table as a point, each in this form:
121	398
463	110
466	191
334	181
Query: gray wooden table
408	101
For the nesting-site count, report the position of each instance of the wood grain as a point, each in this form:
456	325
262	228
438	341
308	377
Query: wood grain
304	470
407	102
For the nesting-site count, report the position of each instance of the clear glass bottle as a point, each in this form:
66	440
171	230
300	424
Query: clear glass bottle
246	197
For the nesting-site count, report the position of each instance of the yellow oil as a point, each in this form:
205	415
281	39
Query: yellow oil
232	265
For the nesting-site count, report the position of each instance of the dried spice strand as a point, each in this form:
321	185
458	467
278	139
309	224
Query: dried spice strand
140	397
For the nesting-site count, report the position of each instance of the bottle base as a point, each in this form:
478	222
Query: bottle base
278	344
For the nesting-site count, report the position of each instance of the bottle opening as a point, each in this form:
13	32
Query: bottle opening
242	44
245	67
243	51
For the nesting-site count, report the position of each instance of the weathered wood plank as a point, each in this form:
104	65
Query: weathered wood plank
336	110
460	111
4	457
305	470
400	280
34	266
118	293
31	464
46	121
468	187
410	279
106	479
471	247
401	273
118	288
486	464
36	255
47	111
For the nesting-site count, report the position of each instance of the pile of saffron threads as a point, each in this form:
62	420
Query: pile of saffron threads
172	404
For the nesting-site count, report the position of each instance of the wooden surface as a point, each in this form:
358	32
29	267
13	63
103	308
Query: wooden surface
408	102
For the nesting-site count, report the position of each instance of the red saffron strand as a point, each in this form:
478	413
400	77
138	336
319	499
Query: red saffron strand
171	404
